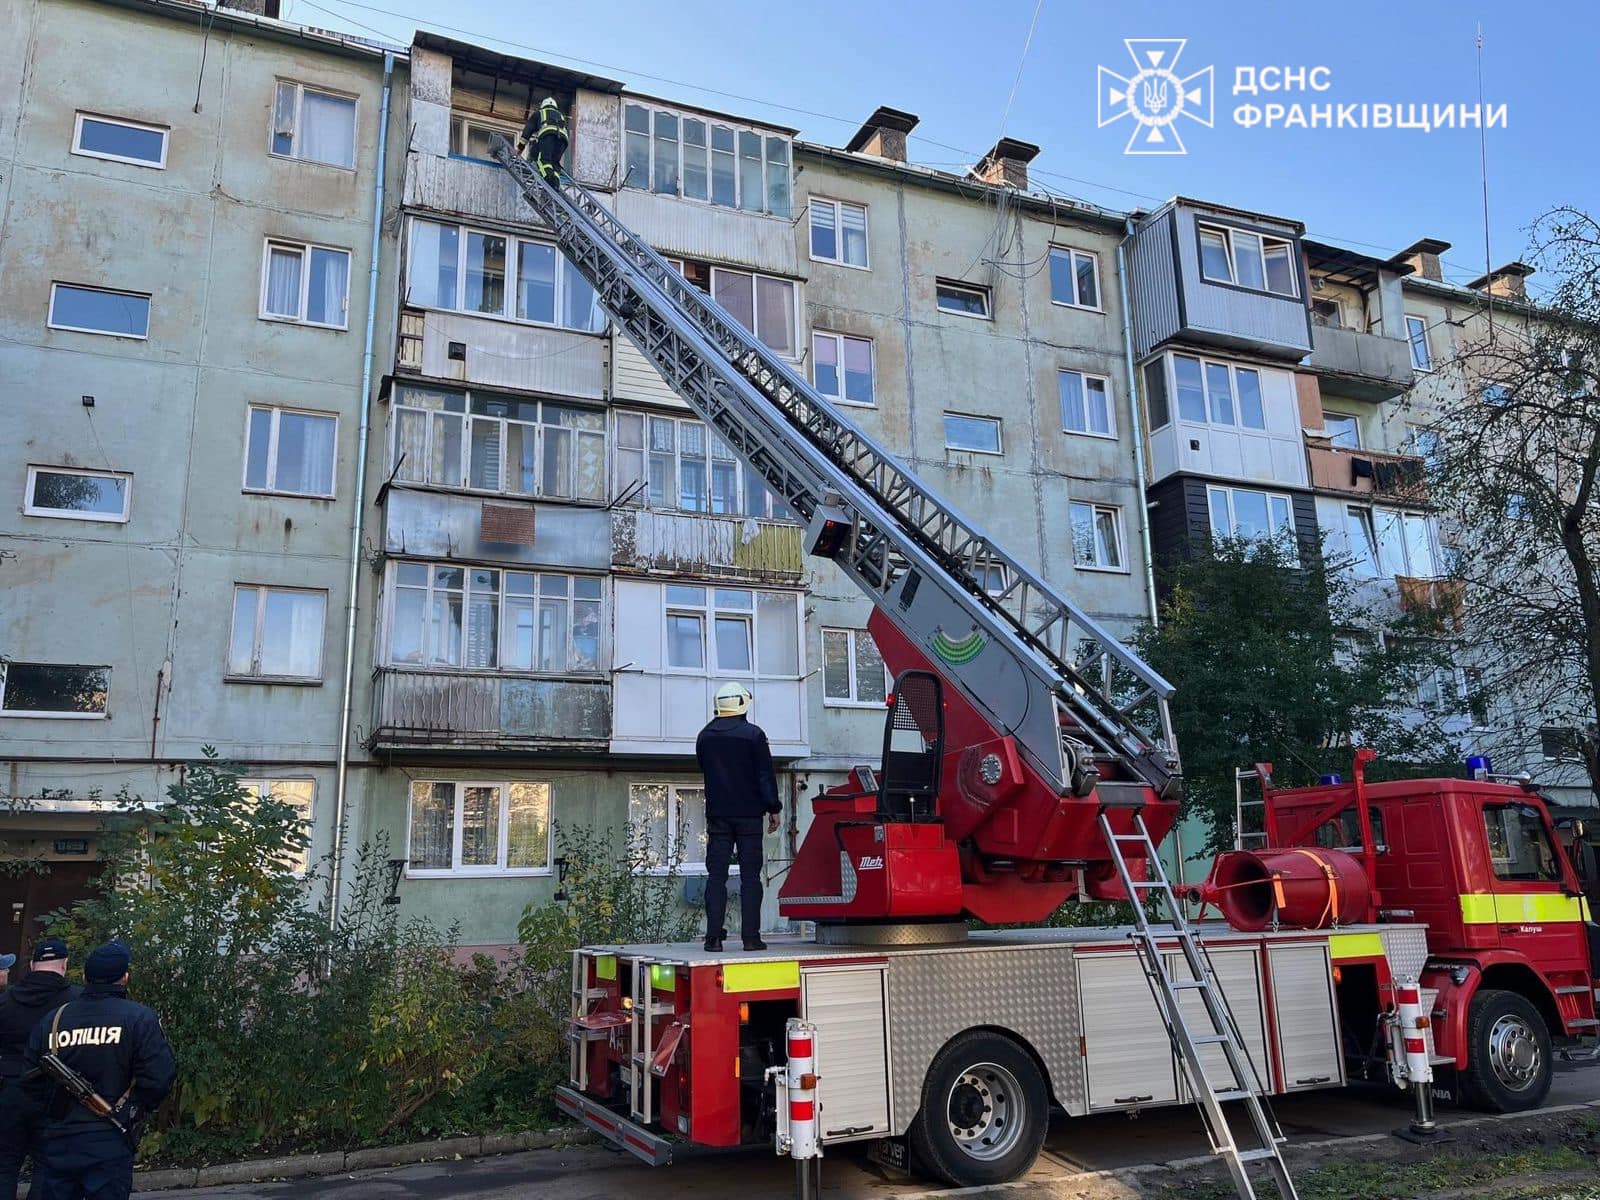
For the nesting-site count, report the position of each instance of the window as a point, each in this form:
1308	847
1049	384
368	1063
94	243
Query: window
852	669
731	631
99	310
314	126
277	633
1343	832
677	154
1217	393
485	619
980	434
672	819
1086	404
1074	277
1250	260
489	274
1343	431
52	690
1561	742
470	136
687	467
1385	542
1426	445
1246	513
77	495
841	366
1155	391
120	141
1497	395
498	444
1519	506
1096	537
993	577
471	828
308	284
1327	313
290	452
297	794
1520	849
1417	335
838	232
962	299
763	304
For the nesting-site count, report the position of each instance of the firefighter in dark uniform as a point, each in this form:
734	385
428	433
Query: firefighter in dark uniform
120	1049
22	1006
544	139
741	789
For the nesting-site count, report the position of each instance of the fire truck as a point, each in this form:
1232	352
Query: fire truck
1380	931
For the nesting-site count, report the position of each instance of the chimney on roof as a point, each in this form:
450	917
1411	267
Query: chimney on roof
1007	164
884	134
1509	282
1423	258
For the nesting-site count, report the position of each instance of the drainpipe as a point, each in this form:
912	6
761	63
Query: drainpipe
347	695
1136	423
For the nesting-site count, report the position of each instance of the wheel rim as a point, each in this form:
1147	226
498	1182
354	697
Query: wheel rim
1514	1053
984	1111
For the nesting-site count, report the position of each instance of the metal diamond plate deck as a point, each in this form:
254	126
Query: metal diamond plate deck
1407	949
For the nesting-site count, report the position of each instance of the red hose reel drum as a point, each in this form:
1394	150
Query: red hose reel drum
1304	888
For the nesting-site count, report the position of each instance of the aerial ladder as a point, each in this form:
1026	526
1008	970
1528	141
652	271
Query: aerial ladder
1064	747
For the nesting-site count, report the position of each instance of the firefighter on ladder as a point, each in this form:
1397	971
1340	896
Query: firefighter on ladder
544	139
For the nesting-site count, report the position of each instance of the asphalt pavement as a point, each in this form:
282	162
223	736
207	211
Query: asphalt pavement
1075	1144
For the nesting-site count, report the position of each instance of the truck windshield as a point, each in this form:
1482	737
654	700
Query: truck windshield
1519	845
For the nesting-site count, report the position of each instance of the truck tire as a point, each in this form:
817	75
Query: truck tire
985	1109
1508	1065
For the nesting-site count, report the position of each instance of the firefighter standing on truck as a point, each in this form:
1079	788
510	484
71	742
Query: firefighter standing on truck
544	139
741	787
119	1049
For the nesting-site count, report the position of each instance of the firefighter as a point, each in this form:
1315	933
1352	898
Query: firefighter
544	139
22	1006
121	1052
741	789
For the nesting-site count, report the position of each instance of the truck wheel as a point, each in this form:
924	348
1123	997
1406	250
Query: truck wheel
1508	1053
985	1109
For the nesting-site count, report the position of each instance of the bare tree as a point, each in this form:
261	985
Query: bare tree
1516	470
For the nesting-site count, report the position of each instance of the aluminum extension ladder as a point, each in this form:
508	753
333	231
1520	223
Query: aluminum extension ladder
1224	1030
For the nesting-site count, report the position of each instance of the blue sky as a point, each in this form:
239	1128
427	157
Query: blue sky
823	66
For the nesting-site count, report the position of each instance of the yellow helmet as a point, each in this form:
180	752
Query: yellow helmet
733	700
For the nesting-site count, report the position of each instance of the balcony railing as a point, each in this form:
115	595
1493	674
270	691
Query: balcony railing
1369	473
486	710
698	544
1363	366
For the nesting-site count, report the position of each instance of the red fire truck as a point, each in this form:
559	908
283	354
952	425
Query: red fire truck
1028	760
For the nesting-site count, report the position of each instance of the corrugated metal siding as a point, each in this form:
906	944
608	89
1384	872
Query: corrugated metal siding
688	543
464	188
1268	323
634	377
1153	288
722	235
527	358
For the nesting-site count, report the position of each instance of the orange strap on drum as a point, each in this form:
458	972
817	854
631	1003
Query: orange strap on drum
1332	878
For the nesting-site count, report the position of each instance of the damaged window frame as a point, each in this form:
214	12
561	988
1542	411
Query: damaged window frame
461	120
295	131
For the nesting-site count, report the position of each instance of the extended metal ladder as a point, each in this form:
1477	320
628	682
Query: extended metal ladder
1224	1031
1076	713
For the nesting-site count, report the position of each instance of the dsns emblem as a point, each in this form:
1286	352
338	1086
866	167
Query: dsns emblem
1155	96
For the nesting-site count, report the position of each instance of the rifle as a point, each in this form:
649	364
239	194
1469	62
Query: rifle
81	1090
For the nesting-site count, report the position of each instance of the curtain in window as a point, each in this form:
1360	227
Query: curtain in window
775	313
411	445
328	129
291	634
433	810
853	235
330	284
528	826
283	282
305	454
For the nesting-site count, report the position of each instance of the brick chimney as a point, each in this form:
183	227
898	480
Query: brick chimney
1423	258
884	134
1509	282
1007	164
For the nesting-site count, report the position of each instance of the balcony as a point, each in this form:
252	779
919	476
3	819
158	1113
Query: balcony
467	188
707	546
1361	366
1371	474
464	710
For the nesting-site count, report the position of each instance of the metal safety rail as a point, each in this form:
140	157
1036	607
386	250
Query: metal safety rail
1101	703
1246	1086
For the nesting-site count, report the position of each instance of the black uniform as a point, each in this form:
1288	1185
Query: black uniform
22	1006
546	135
741	788
120	1048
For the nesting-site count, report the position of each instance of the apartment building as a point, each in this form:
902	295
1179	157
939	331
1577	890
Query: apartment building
187	249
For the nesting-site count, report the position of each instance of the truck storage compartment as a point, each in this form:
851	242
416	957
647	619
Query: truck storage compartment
1121	1026
846	1005
1302	1007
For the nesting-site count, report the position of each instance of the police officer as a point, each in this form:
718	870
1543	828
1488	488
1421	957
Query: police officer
545	134
119	1047
22	1006
736	762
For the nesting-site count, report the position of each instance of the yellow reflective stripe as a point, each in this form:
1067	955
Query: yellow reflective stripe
1356	945
605	966
1524	908
663	976
760	976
